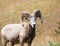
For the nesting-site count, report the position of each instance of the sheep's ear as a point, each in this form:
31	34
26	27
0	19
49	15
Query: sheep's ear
25	15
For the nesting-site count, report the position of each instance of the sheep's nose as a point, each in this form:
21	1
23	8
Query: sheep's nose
34	25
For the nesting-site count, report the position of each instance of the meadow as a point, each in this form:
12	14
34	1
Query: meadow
48	33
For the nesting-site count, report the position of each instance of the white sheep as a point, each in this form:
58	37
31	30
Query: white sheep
11	32
25	32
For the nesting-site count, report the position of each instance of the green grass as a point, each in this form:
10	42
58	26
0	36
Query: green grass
50	44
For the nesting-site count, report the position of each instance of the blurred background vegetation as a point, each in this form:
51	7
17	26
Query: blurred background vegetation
48	33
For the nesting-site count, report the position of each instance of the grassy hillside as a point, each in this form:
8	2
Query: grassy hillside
48	33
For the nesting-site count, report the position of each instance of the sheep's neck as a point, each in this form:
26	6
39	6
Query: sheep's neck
32	29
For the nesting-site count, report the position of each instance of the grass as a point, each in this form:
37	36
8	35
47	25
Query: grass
10	12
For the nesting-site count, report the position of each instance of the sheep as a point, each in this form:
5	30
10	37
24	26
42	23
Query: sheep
25	32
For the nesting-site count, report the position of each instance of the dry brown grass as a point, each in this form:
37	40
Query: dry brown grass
10	12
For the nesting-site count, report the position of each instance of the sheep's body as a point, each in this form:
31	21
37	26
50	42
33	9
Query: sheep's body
11	32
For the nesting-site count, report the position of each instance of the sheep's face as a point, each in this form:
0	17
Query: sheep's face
32	20
36	14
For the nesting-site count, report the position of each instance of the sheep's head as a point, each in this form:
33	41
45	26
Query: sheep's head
29	17
32	17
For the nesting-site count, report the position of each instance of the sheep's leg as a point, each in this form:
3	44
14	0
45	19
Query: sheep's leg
29	44
21	42
4	41
12	43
